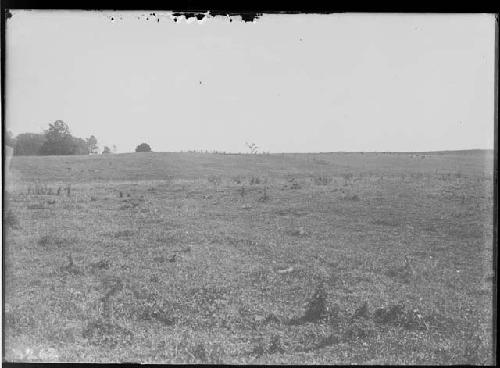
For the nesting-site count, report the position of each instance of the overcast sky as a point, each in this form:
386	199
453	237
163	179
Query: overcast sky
289	83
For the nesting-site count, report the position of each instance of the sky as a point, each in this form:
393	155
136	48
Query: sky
288	83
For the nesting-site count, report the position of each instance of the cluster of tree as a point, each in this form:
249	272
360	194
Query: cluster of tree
56	140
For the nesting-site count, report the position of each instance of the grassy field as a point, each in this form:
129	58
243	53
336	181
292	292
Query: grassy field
203	258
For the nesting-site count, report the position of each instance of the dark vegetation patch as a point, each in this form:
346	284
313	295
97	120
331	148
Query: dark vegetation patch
51	241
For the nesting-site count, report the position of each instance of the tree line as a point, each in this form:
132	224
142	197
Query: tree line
56	140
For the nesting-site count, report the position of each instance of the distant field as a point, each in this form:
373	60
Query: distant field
337	258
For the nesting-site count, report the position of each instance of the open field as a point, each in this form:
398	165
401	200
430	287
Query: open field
299	258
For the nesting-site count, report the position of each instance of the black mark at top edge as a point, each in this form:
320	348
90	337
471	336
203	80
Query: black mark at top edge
245	16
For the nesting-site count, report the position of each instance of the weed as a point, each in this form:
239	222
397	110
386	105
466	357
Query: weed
71	267
347	178
101	265
403	273
259	349
50	240
322	180
298	232
200	352
387	221
216	354
271	318
472	350
154	279
330	340
214	179
254	180
362	312
156	312
316	307
393	314
102	332
159	259
93	199
123	234
264	197
293	184
275	345
172	258
359	330
353	197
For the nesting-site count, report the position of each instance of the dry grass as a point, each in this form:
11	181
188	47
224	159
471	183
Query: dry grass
322	259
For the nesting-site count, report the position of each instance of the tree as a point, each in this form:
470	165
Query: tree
92	144
28	144
59	140
80	147
252	147
9	139
143	147
106	150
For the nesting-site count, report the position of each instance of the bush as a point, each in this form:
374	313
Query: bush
143	147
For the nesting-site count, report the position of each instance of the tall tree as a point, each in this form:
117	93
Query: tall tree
92	144
58	140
